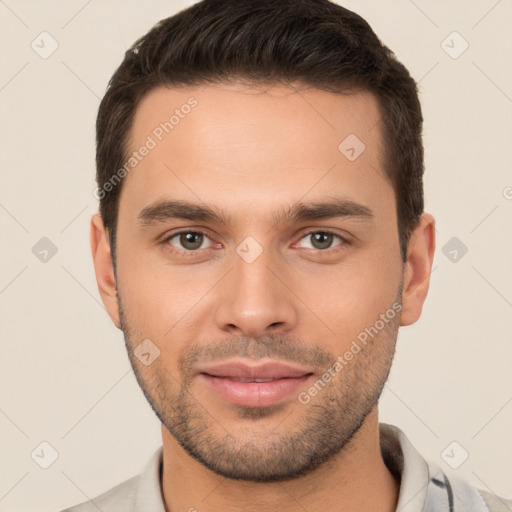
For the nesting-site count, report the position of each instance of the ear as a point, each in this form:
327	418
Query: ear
417	269
104	268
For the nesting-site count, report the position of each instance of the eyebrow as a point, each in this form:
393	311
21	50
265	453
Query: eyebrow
164	210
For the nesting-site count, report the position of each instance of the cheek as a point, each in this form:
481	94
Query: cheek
347	298
159	299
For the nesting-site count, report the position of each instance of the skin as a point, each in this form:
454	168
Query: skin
252	153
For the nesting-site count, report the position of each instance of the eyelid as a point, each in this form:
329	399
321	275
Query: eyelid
168	236
344	239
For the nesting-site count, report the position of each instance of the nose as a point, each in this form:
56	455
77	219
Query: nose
254	299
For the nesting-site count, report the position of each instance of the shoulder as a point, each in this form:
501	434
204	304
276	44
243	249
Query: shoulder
495	503
120	498
470	498
437	490
139	493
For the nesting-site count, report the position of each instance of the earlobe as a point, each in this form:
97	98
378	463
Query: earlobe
417	269
104	268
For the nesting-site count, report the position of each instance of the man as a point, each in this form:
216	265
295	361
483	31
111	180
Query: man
261	238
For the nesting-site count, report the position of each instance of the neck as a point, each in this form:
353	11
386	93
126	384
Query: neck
355	479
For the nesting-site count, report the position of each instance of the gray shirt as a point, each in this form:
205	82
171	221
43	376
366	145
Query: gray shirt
423	485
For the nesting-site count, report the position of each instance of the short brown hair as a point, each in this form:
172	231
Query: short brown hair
313	42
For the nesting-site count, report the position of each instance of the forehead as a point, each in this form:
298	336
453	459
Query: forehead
268	143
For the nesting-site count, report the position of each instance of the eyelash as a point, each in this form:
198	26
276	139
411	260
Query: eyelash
185	252
344	241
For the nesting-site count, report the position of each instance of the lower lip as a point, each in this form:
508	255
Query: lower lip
255	394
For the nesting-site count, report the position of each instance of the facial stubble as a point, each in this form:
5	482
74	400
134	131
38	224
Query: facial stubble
262	449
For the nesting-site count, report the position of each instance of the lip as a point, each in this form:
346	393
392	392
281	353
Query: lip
237	382
268	370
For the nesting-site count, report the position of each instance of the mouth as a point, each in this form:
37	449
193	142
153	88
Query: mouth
254	386
240	379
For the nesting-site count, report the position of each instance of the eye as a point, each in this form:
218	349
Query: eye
188	240
322	240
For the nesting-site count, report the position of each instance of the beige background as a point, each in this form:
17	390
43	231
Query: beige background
64	375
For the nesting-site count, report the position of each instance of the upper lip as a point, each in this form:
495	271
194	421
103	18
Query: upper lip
269	370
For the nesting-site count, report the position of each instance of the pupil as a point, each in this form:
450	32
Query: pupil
191	240
322	240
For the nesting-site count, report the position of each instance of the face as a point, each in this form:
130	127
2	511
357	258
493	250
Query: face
247	237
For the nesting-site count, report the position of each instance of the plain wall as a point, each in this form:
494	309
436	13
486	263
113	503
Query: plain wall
64	374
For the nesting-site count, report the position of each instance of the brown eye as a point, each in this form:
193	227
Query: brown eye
321	240
188	240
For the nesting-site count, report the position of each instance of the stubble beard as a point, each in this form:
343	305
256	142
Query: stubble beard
263	449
